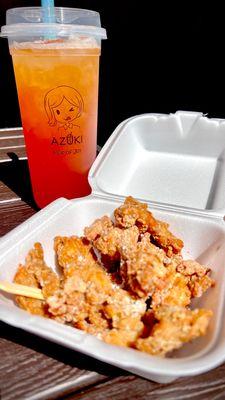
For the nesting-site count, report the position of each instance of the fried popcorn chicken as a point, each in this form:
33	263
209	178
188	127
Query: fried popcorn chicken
175	326
165	239
122	337
73	252
175	293
198	277
123	244
123	314
186	279
143	270
98	228
86	284
148	272
89	296
64	306
132	212
124	311
34	306
108	240
136	296
35	273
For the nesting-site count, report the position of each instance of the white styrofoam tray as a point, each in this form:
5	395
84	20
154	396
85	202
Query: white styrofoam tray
202	229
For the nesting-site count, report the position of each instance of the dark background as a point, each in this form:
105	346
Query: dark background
159	57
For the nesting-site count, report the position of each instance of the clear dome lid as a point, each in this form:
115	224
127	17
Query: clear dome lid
32	22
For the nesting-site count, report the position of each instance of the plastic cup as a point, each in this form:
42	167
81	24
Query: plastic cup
56	68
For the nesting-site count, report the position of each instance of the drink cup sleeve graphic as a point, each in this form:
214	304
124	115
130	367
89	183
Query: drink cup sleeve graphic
63	106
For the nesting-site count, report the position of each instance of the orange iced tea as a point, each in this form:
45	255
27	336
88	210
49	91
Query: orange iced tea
57	86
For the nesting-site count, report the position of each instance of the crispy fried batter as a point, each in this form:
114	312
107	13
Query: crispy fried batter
86	284
124	311
175	326
175	293
35	273
118	243
88	296
34	306
108	239
186	279
165	239
132	212
143	271
99	227
198	279
108	243
47	279
123	315
122	337
73	252
128	243
148	272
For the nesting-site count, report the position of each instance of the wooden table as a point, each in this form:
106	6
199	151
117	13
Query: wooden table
33	368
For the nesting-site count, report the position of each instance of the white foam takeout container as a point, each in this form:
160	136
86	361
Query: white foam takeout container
174	162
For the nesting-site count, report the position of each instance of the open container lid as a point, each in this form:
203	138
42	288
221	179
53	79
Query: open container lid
173	161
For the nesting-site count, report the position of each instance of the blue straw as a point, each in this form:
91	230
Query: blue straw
48	11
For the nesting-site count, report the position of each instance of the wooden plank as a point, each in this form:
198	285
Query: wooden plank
12	214
9	154
12	144
31	367
6	194
206	386
8	143
11	132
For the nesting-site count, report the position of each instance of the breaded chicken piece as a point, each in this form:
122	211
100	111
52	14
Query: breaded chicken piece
186	279
165	239
78	262
175	326
123	314
132	212
124	311
47	278
143	270
73	252
108	239
120	243
98	228
197	275
128	242
88	295
122	337
34	306
175	293
119	337
68	306
86	284
35	273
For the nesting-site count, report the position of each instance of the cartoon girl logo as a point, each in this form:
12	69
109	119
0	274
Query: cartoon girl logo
63	106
